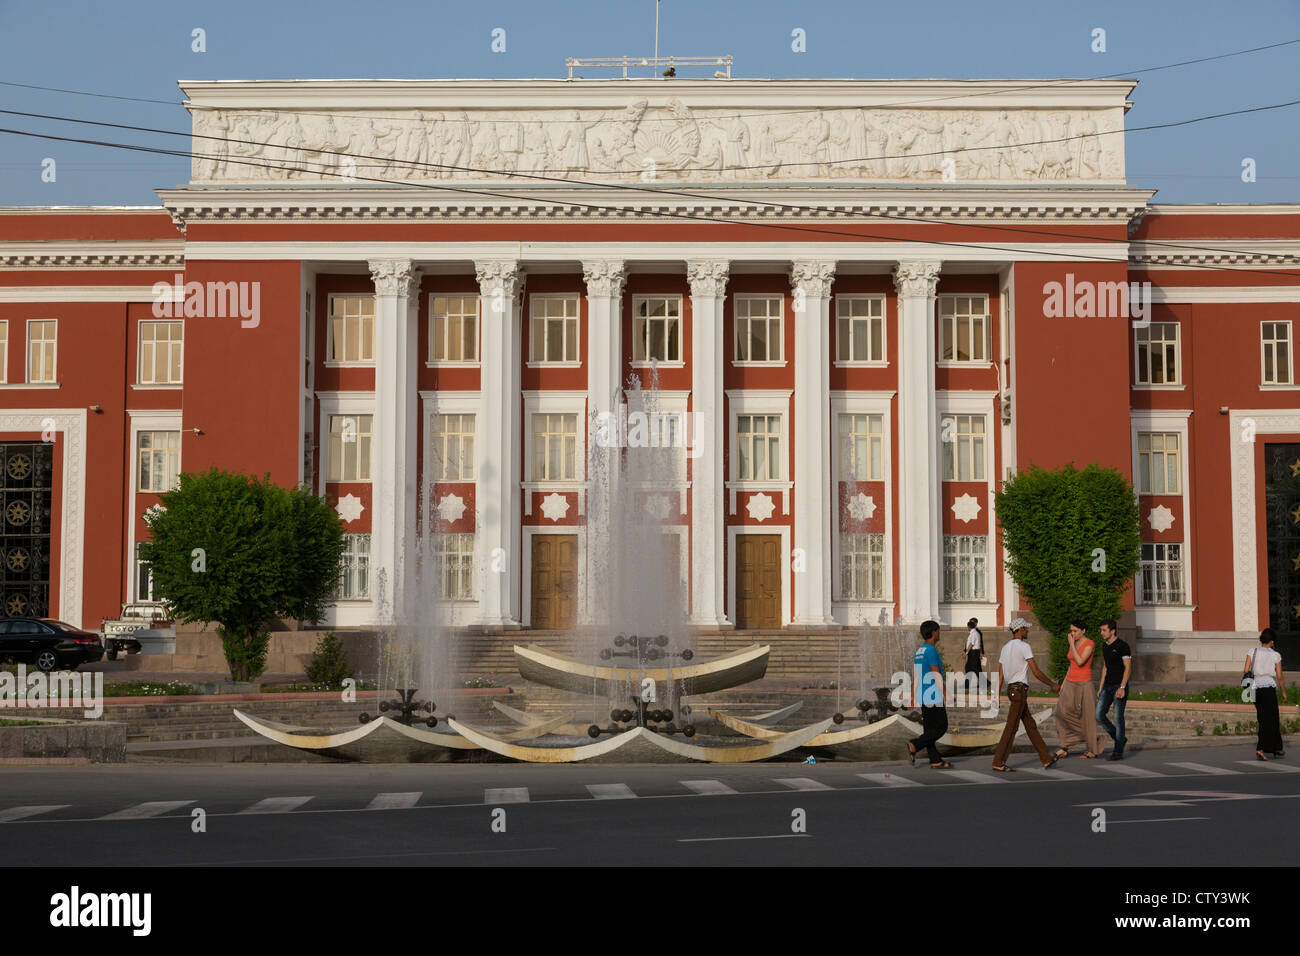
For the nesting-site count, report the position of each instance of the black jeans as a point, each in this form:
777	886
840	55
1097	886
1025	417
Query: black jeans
934	720
1266	715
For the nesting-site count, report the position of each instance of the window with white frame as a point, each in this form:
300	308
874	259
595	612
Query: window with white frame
965	567
555	446
452	445
1159	464
161	344
143	577
159	460
964	328
4	350
963	447
758	445
862	567
657	329
1160	574
354	570
42	342
554	335
758	328
349	448
453	558
453	328
1275	352
860	328
352	328
1156	354
862	439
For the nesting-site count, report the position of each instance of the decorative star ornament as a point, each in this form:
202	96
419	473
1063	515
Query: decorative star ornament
657	507
966	508
760	506
1295	515
349	508
1295	468
451	508
1295	563
1296	608
861	507
555	506
1160	518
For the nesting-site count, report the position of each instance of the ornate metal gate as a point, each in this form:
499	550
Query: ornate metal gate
26	480
1282	524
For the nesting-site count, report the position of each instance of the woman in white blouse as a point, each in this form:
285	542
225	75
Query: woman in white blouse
974	648
1264	667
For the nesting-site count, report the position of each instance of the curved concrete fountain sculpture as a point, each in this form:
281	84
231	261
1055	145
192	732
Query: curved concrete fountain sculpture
544	667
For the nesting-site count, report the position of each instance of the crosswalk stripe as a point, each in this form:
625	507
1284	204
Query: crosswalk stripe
802	783
18	813
610	791
1272	765
505	795
1054	774
395	801
977	776
707	787
151	809
1128	770
276	805
1201	767
889	779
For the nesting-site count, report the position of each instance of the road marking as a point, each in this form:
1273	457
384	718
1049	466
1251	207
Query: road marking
1054	774
1201	767
276	805
803	783
1271	765
1127	770
707	788
773	836
151	809
890	780
977	776
610	791
18	813
395	801
1156	820
505	795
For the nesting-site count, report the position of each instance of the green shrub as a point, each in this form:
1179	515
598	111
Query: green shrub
329	665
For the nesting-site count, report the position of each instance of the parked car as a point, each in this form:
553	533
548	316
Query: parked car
49	644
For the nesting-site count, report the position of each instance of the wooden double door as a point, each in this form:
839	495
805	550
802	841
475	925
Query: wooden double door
758	580
554	577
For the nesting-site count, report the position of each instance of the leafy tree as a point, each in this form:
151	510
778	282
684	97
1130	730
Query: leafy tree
1073	545
329	664
240	552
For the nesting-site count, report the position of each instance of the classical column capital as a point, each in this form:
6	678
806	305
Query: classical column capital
708	276
917	277
812	278
500	279
394	277
605	277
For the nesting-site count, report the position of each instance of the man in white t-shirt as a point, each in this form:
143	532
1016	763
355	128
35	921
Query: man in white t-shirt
1014	665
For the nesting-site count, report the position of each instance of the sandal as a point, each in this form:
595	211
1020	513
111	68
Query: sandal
911	753
1088	756
1052	763
1005	769
941	765
1062	752
1259	755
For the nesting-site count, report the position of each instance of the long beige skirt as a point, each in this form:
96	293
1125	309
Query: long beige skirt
1076	716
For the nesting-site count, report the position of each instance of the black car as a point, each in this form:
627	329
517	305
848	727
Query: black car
49	644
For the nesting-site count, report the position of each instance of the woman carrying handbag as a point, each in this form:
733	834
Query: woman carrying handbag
1263	672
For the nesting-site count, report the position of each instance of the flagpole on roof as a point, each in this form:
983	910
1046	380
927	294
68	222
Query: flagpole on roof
656	67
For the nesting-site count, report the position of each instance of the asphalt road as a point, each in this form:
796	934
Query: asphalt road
1175	807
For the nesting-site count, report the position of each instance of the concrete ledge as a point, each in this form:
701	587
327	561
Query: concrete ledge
96	741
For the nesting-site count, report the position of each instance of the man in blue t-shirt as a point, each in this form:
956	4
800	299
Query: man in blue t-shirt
928	683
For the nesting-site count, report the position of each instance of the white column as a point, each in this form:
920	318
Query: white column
813	487
394	491
497	441
708	280
920	528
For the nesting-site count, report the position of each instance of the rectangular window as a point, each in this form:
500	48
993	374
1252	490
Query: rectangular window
862	567
452	440
160	353
354	572
554	336
965	567
1159	466
1156	348
555	447
453	328
964	328
349	448
1160	575
657	329
963	447
758	328
453	557
352	328
860	328
4	351
758	443
861	447
42	339
1275	349
143	578
159	460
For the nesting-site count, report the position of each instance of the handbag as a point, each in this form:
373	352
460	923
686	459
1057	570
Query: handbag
1248	677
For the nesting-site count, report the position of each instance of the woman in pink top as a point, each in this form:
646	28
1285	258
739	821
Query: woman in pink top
1076	719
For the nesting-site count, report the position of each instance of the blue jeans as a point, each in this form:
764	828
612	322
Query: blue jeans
1105	697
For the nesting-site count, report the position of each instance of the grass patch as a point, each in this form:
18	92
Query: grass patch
21	723
308	688
1222	694
140	688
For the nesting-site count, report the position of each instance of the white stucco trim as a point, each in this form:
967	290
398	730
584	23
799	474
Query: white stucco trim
862	403
142	421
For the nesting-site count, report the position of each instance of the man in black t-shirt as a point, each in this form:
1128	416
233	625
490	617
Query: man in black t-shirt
1117	664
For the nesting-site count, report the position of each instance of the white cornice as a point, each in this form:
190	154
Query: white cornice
1171	295
92	254
1250	253
88	293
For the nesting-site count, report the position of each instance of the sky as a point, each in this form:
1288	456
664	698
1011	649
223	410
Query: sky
141	48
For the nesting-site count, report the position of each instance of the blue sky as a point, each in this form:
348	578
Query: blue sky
140	48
